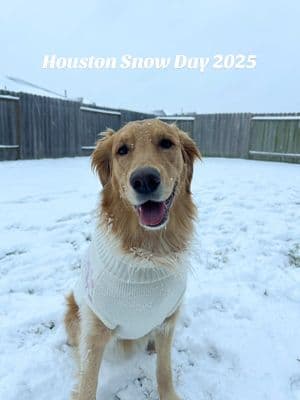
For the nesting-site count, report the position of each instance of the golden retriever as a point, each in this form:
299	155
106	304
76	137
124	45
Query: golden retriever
135	274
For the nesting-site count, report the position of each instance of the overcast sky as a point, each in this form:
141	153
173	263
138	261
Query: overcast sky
268	29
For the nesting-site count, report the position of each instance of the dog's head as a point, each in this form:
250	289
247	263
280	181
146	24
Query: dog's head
146	165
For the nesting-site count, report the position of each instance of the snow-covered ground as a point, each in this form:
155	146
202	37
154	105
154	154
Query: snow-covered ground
239	333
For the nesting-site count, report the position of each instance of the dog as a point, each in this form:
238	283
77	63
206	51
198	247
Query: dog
134	274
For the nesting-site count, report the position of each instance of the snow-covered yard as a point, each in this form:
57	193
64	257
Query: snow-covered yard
238	337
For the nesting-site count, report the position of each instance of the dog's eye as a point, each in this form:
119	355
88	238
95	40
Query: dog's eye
123	150
166	143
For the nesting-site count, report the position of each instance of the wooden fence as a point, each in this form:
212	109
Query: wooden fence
275	138
223	135
186	123
37	127
269	137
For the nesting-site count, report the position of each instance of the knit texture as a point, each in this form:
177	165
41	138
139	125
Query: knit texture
130	293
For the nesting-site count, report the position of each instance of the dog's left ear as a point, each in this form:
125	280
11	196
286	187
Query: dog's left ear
101	157
190	153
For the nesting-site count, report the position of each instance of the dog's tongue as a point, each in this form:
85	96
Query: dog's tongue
151	213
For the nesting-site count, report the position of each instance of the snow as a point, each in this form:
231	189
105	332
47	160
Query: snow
278	117
21	87
238	336
176	118
99	110
8	97
9	146
271	153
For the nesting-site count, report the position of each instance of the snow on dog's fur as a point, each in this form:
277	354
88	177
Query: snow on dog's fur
146	170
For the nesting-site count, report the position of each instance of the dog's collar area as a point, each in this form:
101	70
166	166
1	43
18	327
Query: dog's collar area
135	266
154	214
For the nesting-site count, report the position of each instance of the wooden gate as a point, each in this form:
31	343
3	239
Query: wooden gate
9	127
275	138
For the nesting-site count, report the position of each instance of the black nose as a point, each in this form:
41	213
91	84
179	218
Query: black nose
145	180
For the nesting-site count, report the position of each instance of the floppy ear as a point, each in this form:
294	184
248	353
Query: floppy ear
101	157
190	153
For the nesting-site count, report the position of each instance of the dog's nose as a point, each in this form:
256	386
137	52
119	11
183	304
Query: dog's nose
145	180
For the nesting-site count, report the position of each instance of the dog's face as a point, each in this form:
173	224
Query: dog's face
147	164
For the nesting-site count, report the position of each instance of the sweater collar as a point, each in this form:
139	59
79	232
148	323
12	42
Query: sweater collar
135	266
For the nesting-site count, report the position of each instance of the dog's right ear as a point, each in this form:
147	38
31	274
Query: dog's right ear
101	157
190	153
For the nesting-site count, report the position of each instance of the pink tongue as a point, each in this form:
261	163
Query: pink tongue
151	213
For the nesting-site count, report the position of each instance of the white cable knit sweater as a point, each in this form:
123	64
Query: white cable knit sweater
129	296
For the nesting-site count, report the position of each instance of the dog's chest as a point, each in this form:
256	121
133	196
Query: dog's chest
130	297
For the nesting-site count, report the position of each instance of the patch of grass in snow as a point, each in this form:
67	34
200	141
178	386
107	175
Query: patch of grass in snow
39	330
16	252
294	256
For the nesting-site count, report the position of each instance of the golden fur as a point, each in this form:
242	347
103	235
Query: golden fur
175	165
113	172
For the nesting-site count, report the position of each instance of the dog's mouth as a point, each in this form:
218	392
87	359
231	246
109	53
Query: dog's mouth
154	214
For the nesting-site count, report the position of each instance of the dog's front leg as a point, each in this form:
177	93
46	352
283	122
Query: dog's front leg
94	336
163	342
